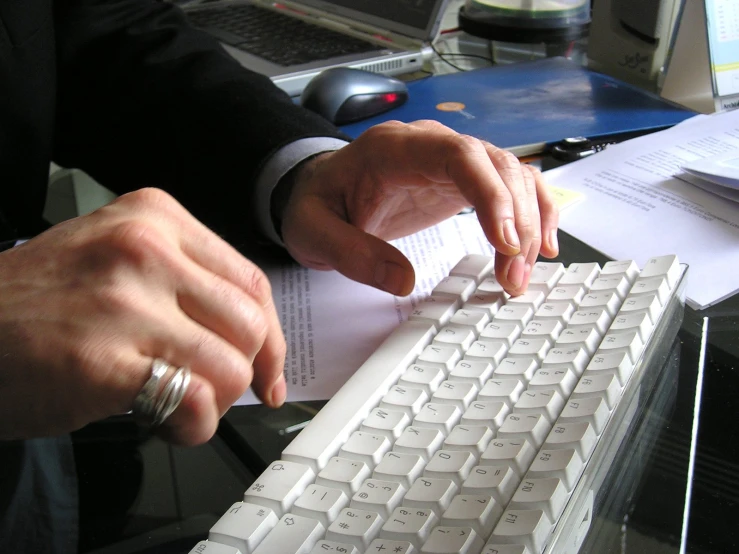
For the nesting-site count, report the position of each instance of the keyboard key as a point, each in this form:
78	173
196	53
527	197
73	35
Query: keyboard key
381	546
530	427
452	540
455	286
639	322
321	503
507	390
647	303
279	486
605	386
619	284
548	403
343	474
663	266
243	526
409	524
409	400
388	423
474	320
500	331
431	494
520	367
592	410
563	464
500	482
400	467
625	267
653	285
480	512
528	527
548	495
422	441
578	436
486	302
543	328
454	465
438	311
442	417
455	393
357	527
292	534
544	275
491	548
514	453
423	376
616	363
365	447
491	351
580	274
208	547
607	300
378	496
490	413
476	266
470	438
562	379
472	371
324	546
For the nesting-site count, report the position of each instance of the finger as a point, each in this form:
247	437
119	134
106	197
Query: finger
210	251
441	155
341	246
195	420
549	215
223	260
534	216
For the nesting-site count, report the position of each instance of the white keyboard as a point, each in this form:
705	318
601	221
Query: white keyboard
477	427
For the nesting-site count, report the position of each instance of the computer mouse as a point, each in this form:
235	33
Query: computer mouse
345	95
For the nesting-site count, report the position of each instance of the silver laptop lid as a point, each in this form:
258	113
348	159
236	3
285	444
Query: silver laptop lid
416	19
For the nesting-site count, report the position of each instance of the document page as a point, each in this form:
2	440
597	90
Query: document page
332	324
636	204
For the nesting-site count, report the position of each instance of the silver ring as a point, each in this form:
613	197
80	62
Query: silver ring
161	394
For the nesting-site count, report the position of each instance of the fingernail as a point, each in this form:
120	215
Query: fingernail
510	235
279	392
553	241
390	277
517	271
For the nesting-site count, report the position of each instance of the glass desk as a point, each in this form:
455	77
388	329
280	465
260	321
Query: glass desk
140	495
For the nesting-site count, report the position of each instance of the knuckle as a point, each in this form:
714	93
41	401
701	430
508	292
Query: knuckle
136	240
148	197
257	285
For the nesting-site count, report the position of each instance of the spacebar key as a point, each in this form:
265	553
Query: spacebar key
331	427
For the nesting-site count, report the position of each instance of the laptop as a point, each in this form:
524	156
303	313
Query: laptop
382	36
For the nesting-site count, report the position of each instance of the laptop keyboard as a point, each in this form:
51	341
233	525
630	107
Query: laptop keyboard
479	426
275	36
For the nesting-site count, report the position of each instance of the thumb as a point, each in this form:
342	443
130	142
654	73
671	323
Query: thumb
336	244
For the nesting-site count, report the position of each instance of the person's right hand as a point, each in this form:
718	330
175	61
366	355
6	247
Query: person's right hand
87	305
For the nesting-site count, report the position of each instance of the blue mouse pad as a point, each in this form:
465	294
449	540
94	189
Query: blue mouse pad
526	106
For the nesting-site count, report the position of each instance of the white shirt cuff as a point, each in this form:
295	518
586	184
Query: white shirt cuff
276	168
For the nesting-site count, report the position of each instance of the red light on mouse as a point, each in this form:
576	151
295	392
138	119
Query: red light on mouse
390	97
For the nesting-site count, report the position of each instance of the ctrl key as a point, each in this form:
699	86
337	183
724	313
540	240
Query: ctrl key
530	528
208	547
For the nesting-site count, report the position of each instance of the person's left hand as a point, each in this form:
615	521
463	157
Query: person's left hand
397	179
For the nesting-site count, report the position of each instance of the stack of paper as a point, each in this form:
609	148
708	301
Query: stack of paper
717	174
639	204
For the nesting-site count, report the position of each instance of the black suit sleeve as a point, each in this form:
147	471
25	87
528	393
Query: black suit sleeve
146	100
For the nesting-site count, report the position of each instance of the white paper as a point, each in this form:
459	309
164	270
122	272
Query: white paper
332	324
636	206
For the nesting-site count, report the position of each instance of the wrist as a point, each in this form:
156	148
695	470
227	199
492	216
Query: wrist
282	192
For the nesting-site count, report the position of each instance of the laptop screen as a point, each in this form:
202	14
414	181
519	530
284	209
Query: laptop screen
419	19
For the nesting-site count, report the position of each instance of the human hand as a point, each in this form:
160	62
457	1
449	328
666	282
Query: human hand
396	179
87	305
